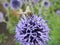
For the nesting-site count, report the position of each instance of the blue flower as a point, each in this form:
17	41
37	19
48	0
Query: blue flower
58	12
5	4
46	3
32	31
15	4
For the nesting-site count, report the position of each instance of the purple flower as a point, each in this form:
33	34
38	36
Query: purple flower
15	4
6	4
1	17
32	31
58	12
46	3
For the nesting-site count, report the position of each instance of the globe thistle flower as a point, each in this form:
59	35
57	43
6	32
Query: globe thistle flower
5	4
46	3
1	17
15	4
32	30
58	12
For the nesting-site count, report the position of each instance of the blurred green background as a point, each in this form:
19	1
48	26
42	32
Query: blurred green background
7	34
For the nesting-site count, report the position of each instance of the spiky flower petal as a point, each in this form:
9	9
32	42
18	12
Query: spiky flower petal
32	30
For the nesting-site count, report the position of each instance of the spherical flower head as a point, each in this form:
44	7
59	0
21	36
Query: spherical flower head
46	3
5	4
15	4
32	30
1	17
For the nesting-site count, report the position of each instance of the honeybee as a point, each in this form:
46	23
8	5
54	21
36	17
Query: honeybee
20	12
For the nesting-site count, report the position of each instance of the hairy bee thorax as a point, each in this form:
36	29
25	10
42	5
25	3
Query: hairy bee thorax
27	12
